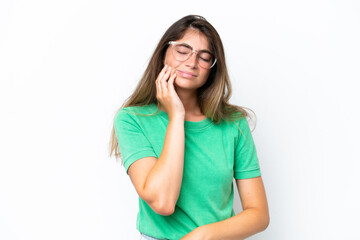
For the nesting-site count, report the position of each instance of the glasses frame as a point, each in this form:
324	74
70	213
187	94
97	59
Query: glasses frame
172	43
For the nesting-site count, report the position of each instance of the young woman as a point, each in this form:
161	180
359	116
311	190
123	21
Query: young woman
182	143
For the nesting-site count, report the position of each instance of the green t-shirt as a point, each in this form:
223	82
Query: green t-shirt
214	155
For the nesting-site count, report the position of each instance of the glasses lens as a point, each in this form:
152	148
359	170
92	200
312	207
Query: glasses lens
182	52
206	60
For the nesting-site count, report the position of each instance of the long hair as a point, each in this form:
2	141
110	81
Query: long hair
213	97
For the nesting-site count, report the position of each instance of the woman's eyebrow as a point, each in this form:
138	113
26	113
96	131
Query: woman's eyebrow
203	50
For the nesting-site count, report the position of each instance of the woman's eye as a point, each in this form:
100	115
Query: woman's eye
182	52
206	57
206	60
182	49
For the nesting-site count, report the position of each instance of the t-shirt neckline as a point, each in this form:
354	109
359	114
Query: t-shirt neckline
199	125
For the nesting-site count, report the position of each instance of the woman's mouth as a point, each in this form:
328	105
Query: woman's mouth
187	74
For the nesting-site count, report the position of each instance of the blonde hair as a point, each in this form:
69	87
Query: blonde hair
213	96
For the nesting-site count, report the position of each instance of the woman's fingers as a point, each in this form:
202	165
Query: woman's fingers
161	74
163	80
171	82
158	80
166	93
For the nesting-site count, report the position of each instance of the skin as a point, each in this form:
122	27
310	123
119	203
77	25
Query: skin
186	88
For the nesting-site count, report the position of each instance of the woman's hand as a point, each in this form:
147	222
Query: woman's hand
166	94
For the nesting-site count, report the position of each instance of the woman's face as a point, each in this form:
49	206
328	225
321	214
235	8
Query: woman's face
189	74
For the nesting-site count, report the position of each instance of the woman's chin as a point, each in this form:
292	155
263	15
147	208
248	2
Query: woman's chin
179	83
182	81
185	83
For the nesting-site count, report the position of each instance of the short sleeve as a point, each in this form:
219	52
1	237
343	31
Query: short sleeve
246	163
133	144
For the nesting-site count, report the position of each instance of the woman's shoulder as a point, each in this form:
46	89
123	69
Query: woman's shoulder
237	123
235	118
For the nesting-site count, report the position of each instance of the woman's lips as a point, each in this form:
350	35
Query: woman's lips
187	74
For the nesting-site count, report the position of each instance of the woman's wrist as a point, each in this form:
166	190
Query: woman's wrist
206	232
177	117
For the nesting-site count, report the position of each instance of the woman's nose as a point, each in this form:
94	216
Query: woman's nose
192	61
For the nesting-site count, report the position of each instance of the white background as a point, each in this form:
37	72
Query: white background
67	66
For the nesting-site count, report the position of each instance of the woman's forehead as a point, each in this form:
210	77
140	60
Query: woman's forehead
196	39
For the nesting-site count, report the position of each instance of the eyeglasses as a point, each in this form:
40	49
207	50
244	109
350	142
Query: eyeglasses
182	52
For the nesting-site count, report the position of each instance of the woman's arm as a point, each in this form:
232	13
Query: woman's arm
158	181
253	219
